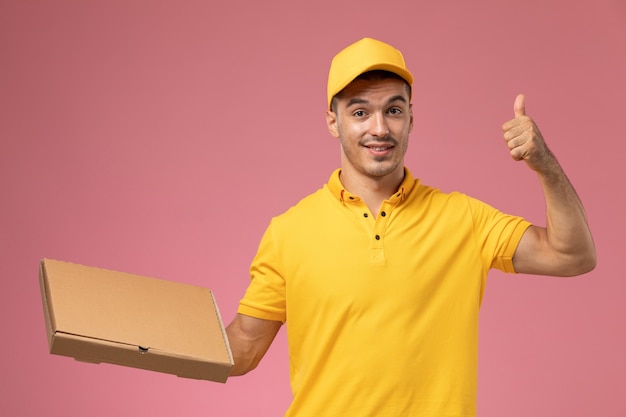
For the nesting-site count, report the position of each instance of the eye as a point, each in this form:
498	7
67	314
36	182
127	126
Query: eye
359	113
394	110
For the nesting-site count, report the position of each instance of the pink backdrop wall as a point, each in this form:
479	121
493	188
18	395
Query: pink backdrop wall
160	137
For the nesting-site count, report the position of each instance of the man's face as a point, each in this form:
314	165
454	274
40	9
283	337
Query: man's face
372	120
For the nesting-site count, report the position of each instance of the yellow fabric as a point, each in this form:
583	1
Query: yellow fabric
388	326
362	56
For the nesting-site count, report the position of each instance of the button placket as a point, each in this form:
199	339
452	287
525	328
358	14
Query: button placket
378	236
374	226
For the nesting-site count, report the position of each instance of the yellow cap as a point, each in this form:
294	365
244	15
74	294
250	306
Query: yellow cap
365	55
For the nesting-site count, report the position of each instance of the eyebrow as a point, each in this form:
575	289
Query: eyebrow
357	100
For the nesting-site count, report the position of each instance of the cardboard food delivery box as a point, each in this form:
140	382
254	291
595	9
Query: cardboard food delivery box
98	315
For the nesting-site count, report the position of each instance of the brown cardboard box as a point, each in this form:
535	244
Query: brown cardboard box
97	315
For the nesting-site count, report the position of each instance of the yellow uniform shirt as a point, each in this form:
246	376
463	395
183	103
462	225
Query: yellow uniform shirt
381	314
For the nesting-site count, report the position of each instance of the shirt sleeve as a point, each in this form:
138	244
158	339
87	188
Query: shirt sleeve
265	296
498	235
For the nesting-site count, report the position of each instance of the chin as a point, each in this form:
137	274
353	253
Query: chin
381	171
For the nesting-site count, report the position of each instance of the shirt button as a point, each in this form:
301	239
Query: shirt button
382	213
364	214
377	237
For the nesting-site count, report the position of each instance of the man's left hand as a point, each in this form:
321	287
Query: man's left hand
524	139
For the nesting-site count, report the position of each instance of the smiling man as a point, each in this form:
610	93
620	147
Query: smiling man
373	130
378	277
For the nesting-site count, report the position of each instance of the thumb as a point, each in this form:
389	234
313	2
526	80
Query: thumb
519	107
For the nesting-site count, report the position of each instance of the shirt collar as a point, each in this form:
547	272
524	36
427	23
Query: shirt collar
337	189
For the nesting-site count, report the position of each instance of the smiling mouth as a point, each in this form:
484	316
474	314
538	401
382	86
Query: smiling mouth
379	148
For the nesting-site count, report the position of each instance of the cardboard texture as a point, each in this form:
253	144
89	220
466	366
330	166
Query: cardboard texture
97	315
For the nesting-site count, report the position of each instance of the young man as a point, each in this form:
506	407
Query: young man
378	277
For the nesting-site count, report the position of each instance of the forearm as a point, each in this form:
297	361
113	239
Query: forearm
249	339
567	231
241	348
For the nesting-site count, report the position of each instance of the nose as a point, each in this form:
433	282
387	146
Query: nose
378	125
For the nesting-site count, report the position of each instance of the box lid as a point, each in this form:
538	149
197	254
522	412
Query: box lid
98	312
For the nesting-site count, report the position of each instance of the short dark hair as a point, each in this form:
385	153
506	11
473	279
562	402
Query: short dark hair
374	75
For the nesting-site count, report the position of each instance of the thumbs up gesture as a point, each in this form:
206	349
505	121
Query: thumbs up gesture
524	139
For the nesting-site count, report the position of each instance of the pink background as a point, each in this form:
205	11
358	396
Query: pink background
159	137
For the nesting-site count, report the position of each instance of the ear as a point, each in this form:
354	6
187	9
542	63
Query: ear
411	115
331	122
